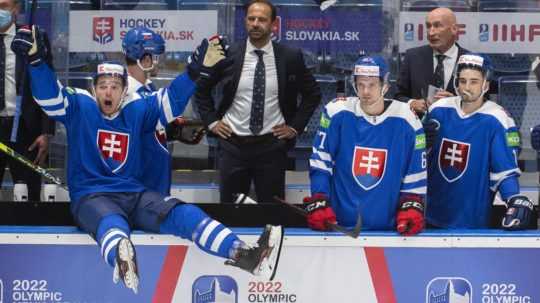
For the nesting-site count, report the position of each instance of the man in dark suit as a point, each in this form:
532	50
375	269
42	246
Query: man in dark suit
431	64
31	137
259	117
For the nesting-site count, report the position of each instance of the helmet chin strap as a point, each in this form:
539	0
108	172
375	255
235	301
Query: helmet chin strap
485	89
147	69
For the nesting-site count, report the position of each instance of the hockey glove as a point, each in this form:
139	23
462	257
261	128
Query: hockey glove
184	131
518	214
28	42
410	215
204	59
319	211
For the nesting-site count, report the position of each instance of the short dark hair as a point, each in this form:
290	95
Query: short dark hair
130	61
267	2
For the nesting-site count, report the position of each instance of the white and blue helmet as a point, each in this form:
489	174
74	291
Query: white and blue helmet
111	68
371	66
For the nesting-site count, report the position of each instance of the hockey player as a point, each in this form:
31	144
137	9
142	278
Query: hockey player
474	155
368	158
142	49
104	141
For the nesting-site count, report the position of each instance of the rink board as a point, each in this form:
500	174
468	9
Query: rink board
60	264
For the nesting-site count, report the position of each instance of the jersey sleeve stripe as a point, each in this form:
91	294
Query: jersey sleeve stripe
322	155
499	176
415	177
418	190
51	102
54	113
166	103
496	178
320	165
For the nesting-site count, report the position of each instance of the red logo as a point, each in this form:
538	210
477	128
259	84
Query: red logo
114	148
453	159
276	30
368	166
103	29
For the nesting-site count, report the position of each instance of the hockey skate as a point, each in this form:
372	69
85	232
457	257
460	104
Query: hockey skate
262	259
125	268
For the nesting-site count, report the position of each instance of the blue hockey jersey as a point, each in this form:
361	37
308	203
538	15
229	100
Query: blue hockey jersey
156	172
104	153
364	163
473	156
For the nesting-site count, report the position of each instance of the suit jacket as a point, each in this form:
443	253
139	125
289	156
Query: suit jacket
293	79
416	73
32	116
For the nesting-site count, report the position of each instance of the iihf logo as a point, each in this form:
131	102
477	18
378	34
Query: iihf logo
276	30
213	289
449	290
408	32
483	32
103	29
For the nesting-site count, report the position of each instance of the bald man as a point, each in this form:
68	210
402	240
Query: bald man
431	64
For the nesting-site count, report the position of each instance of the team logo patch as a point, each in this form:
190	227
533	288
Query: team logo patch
448	290
325	122
103	29
368	166
512	139
453	159
114	148
214	289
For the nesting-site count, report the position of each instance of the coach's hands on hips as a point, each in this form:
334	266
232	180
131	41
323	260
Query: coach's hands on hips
319	212
221	129
519	213
283	131
410	215
28	43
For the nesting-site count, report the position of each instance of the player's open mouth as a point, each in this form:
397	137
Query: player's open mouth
108	103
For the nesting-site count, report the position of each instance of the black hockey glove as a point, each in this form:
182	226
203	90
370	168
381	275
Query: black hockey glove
518	214
28	42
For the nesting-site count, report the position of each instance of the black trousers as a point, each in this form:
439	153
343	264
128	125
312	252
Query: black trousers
19	172
258	159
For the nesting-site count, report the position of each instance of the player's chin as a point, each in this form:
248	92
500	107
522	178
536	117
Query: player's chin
107	107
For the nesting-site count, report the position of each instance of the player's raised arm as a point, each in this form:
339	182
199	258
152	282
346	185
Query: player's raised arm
46	89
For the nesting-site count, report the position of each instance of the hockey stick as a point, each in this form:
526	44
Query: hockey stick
351	233
40	170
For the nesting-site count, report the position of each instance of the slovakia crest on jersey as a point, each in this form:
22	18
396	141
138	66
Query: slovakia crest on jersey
368	166
114	148
453	159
